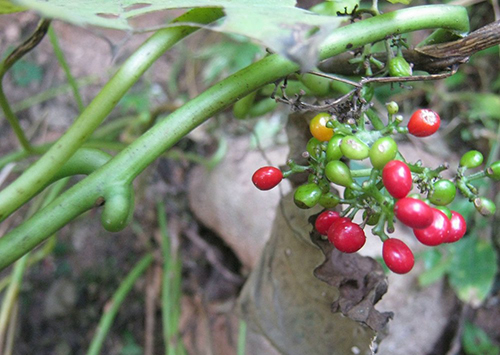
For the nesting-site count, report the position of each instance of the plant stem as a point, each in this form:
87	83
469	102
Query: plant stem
64	65
11	297
13	121
35	177
125	166
242	337
114	305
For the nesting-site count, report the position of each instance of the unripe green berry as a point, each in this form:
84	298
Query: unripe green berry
307	195
339	173
472	159
392	107
443	193
485	206
493	171
398	66
329	200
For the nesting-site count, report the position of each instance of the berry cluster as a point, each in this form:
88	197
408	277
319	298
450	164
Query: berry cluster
384	195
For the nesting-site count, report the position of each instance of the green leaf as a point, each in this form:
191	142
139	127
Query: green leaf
436	266
405	2
25	72
476	342
279	25
485	106
227	57
473	268
6	7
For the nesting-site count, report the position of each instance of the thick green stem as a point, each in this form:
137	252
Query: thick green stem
116	301
34	178
124	167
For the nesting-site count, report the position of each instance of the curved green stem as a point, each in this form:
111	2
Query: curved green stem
34	178
125	166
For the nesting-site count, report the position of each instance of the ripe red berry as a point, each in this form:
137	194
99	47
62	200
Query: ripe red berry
325	220
267	177
413	213
423	123
347	237
397	256
437	232
397	179
458	227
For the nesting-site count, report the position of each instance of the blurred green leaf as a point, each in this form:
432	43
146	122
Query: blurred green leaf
331	7
484	105
455	80
265	132
290	31
473	269
130	346
405	2
436	264
6	7
25	72
476	342
135	102
227	57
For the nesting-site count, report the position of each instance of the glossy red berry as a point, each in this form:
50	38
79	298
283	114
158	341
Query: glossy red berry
397	179
437	232
458	227
414	213
346	236
397	256
423	123
325	220
267	177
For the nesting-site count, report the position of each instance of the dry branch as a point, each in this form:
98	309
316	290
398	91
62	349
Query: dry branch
431	58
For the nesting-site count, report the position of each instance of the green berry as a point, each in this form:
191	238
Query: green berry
493	171
392	107
307	195
398	66
445	210
485	206
313	147
329	200
472	159
353	148
383	151
443	193
333	151
339	173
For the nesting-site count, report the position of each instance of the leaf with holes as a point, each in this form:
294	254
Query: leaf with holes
279	25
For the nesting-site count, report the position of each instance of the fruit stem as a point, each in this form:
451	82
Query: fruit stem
476	176
379	228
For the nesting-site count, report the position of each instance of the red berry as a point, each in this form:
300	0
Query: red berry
437	232
458	227
423	123
397	256
397	179
267	177
413	213
325	220
347	237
